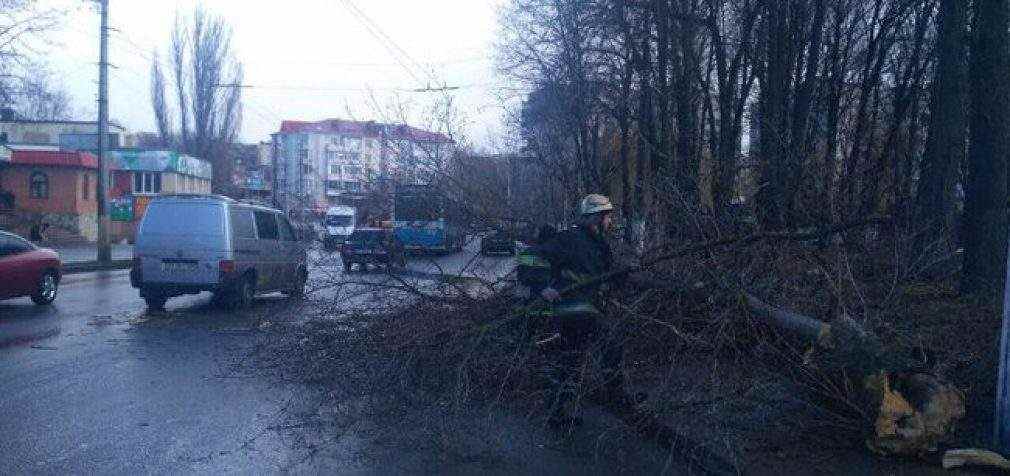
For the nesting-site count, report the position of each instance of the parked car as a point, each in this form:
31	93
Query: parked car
498	241
376	246
192	243
28	270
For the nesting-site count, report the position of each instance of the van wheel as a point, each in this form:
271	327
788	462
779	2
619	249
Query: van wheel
155	303
298	290
244	292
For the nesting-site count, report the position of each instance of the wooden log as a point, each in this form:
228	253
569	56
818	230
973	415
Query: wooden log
913	411
811	329
974	457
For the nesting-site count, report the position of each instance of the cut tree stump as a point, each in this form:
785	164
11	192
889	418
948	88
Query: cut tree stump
912	411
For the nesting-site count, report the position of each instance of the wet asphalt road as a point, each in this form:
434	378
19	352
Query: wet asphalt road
95	384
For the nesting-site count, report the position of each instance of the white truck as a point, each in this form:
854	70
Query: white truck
339	224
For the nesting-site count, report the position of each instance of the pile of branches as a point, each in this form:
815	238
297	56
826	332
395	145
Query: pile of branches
865	350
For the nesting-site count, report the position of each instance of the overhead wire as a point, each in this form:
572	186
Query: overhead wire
392	47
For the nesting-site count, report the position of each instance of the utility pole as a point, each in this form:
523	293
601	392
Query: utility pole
104	247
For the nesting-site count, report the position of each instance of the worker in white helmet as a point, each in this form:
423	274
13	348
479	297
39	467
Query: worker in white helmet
576	256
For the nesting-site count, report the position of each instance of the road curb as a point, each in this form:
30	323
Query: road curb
91	266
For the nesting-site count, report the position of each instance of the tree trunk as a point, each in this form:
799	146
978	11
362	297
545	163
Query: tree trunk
772	208
947	118
912	412
661	159
646	134
624	120
985	217
688	147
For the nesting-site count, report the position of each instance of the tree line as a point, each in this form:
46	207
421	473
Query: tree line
791	112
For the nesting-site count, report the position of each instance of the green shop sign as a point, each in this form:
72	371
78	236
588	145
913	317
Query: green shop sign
121	208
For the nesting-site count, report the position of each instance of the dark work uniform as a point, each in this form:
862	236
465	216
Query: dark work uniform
576	256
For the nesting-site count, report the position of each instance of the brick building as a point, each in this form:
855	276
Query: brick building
45	185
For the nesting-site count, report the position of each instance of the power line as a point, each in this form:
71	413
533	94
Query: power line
342	64
387	43
395	50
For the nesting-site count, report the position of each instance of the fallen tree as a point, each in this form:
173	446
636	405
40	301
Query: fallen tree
911	411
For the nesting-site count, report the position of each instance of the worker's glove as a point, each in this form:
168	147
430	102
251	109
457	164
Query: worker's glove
550	294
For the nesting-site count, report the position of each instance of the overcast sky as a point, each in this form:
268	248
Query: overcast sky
305	59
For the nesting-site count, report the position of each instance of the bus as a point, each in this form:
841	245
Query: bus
421	221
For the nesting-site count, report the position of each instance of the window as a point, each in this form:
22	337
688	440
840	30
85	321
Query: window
38	185
242	224
334	169
266	225
303	155
85	186
353	186
334	185
183	218
147	182
352	171
285	229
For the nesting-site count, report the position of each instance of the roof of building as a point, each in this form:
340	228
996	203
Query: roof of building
363	129
54	158
158	161
34	147
33	121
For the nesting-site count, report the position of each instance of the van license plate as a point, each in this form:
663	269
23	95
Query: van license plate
176	267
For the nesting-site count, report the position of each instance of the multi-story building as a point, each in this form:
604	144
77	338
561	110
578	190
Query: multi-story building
253	171
317	164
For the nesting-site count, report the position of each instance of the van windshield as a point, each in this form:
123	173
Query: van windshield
184	219
337	220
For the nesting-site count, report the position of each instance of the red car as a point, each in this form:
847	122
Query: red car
27	270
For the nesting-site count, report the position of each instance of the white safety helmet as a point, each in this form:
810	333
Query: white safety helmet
594	203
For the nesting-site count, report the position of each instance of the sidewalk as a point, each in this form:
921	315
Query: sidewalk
85	252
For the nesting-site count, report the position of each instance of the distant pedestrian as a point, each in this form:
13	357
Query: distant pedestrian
38	231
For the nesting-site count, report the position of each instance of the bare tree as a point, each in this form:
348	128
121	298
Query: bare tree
985	215
947	126
207	78
41	98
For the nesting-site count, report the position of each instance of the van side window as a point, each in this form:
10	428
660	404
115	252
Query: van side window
266	225
285	227
242	224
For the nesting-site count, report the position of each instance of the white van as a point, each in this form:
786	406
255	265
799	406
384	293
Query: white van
339	225
192	243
